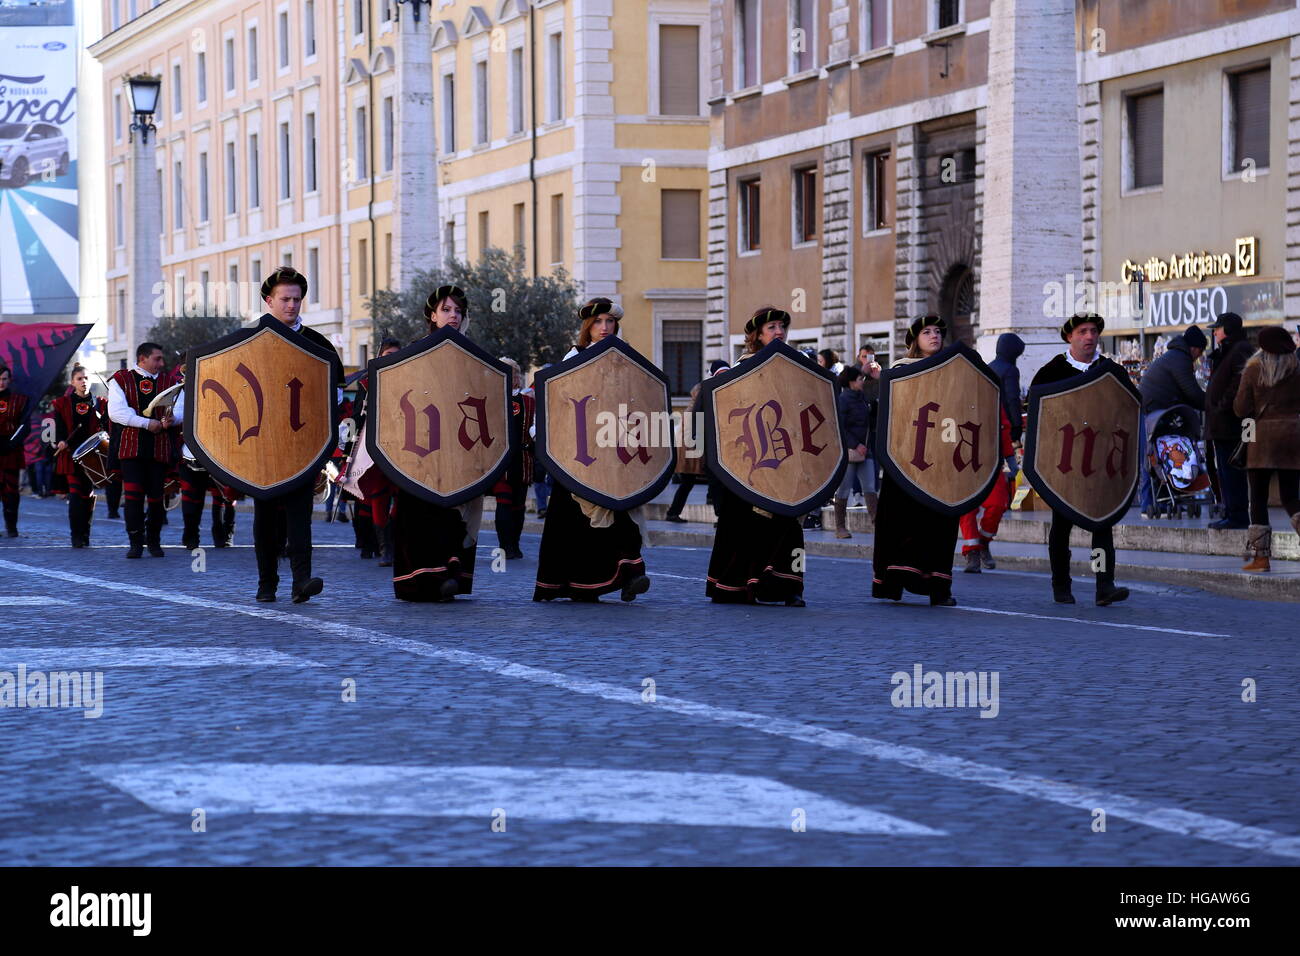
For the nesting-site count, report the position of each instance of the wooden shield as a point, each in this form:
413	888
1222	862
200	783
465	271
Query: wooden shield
260	408
438	421
1081	446
772	431
939	429
604	429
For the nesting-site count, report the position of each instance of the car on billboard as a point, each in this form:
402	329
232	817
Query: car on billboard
28	149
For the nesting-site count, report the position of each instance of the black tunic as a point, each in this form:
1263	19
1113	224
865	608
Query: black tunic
755	557
578	561
430	545
914	546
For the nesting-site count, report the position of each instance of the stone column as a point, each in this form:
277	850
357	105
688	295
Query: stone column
597	237
1032	191
145	263
1291	287
416	237
837	247
909	273
716	326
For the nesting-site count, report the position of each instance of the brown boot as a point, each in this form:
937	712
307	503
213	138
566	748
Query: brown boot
841	518
1259	542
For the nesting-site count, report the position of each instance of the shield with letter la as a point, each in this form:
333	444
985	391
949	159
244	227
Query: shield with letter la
604	425
939	425
772	431
438	421
1081	445
260	408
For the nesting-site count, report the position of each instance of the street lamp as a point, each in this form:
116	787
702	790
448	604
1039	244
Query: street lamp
142	90
415	7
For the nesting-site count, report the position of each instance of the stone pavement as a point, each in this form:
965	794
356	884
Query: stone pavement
540	718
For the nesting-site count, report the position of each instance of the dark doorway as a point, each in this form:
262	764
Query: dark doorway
957	303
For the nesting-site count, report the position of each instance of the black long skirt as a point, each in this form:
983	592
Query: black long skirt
430	546
755	558
580	562
914	547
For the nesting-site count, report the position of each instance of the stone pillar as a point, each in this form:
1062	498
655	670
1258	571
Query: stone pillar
1032	194
717	326
837	247
909	272
145	263
417	240
1090	172
1291	287
596	205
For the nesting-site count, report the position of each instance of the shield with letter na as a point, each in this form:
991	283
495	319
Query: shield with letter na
438	422
604	425
1081	445
772	431
260	408
938	432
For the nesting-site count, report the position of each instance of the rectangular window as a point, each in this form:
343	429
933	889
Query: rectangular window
388	134
484	239
683	354
385	12
116	10
309	28
230	64
679	71
232	194
119	216
121	311
117	117
805	205
256	277
875	199
557	228
177	99
180	293
747	17
363	151
178	196
287	259
748	200
1146	119
286	170
201	76
309	160
519	219
803	35
232	289
448	240
363	267
131	9
555	78
283	30
481	102
203	291
1249	96
358	17
448	113
679	214
203	187
949	13
517	90
313	275
388	258
875	24
254	173
252	54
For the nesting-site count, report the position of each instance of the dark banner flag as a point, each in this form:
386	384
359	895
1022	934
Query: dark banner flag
36	352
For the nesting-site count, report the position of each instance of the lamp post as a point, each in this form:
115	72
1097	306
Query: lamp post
143	90
415	7
145	261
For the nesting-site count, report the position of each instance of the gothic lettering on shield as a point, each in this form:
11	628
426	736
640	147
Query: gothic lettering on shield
766	444
580	424
1118	451
295	404
410	420
232	409
640	452
804	417
965	455
479	419
970	440
922	425
1066	464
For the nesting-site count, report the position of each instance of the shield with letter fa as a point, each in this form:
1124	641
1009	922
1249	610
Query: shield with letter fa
1081	446
439	422
604	425
772	431
260	411
939	429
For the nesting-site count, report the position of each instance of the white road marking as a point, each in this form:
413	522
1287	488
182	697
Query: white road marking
1144	812
30	601
530	794
76	656
1075	620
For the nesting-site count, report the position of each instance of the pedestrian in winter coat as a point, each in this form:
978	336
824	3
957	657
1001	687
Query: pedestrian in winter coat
1010	347
857	421
1222	426
1171	379
1270	394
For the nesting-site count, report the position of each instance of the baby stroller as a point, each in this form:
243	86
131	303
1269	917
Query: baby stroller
1179	480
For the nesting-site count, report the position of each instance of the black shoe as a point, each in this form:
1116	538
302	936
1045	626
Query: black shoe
1108	595
114	516
514	555
1062	595
541	512
972	563
135	551
886	594
449	588
676	519
266	597
11	532
638	585
188	543
946	600
1227	524
220	544
78	543
155	549
986	559
309	590
795	602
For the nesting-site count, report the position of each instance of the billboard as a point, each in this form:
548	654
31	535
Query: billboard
38	159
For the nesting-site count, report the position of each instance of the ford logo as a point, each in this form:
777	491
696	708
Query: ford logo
54	45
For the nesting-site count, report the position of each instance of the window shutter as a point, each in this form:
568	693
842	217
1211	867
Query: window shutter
1148	128
680	223
1251	126
749	42
679	71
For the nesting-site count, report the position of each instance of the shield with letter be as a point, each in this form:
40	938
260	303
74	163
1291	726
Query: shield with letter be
1081	445
939	429
604	425
438	422
260	410
772	431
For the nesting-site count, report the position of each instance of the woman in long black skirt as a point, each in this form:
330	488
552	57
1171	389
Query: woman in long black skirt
914	544
433	546
587	550
757	556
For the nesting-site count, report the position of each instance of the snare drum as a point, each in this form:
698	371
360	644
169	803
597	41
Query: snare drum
92	456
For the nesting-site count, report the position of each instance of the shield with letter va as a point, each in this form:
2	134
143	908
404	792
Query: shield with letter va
772	431
604	425
439	422
939	429
260	408
1081	445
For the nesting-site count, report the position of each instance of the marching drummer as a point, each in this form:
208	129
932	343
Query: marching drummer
13	430
79	418
142	445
